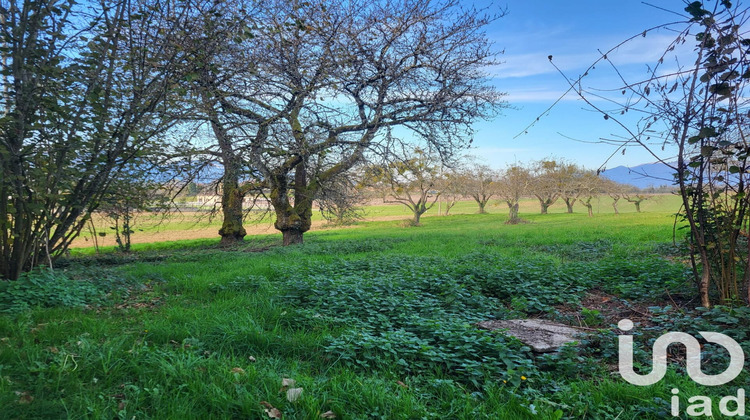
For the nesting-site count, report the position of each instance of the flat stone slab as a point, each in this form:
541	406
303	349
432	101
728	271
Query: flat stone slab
541	335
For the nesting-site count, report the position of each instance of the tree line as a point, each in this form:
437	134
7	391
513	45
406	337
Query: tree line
419	180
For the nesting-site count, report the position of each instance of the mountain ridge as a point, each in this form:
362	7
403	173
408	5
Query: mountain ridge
646	175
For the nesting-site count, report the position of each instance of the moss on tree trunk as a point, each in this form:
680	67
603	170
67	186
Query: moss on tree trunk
231	230
292	219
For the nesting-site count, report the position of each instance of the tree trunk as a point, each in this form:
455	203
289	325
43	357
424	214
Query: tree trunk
232	196
417	216
590	209
545	206
705	282
231	230
638	206
293	220
292	236
481	207
569	204
512	211
614	206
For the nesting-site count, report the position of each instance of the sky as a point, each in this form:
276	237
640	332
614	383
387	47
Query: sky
572	32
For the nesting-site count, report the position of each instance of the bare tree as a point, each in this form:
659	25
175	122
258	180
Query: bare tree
481	184
410	179
589	187
452	187
216	56
569	177
514	183
636	199
615	190
546	185
317	85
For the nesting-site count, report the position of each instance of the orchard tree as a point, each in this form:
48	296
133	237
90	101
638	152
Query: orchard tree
312	87
513	184
216	54
546	185
481	184
589	187
85	88
410	178
452	187
615	190
636	199
135	190
570	179
696	102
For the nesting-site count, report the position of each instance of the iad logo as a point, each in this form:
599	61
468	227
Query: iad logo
693	348
693	361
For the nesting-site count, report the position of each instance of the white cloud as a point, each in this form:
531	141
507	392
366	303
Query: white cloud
640	50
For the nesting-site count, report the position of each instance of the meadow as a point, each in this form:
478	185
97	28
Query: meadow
376	321
184	225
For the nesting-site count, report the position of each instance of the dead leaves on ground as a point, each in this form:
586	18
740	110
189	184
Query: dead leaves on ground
293	394
270	410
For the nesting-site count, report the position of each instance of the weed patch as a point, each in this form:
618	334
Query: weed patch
400	317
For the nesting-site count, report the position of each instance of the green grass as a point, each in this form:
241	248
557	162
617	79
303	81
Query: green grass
163	225
375	321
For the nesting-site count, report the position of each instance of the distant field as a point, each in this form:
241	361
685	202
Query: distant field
202	225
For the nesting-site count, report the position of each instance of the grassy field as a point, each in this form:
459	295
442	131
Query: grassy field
372	322
176	226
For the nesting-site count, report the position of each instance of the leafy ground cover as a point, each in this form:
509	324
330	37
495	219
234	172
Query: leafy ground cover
373	322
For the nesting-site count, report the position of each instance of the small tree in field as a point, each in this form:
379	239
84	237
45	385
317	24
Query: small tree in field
589	187
546	185
411	180
513	184
480	184
452	187
636	199
570	179
615	191
696	102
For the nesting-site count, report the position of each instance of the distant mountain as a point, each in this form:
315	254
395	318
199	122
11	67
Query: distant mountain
642	176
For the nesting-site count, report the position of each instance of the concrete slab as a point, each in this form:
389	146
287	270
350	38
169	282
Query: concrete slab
541	335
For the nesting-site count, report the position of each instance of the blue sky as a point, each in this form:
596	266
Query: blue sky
571	32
